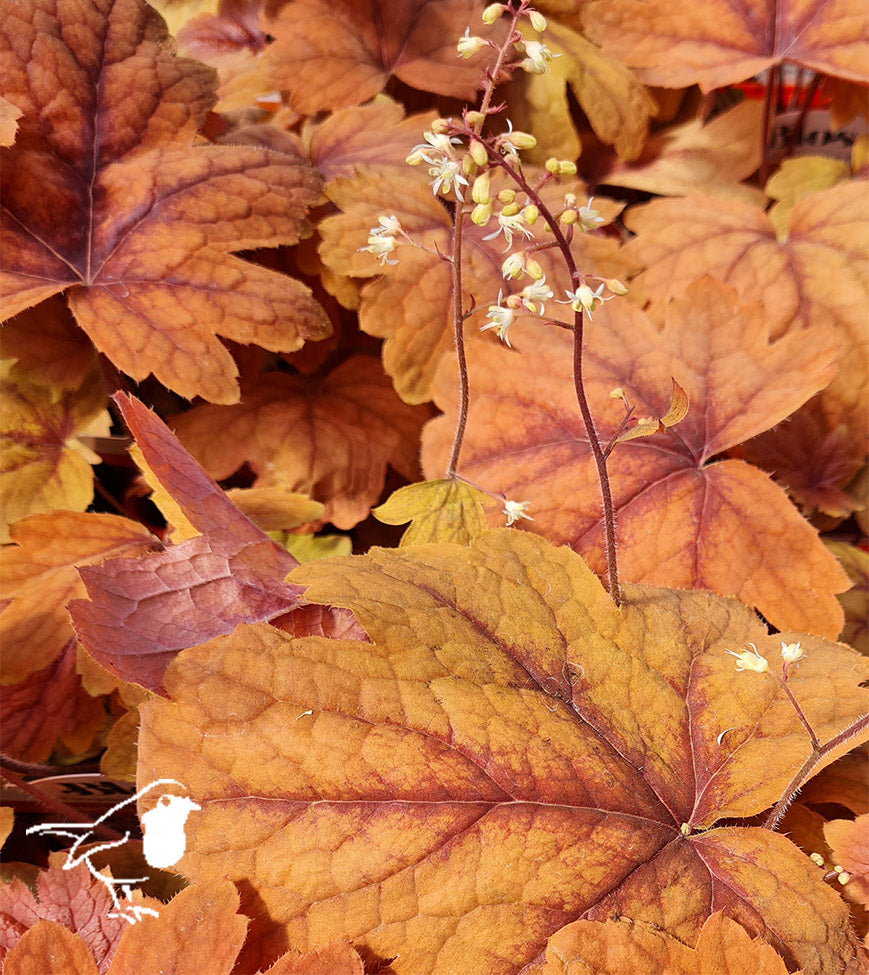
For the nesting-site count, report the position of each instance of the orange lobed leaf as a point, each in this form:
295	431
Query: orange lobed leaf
815	275
626	948
330	437
42	464
143	611
511	752
104	195
715	43
439	511
329	54
683	518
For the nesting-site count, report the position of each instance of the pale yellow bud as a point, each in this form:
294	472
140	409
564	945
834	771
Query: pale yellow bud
570	199
510	210
538	21
566	168
523	140
469	45
615	286
843	877
791	652
530	213
480	190
817	859
481	214
415	158
507	196
478	153
534	269
475	118
493	12
441	126
568	217
617	393
552	165
469	167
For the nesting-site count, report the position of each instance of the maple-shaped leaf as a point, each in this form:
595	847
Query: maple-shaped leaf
684	519
625	948
510	753
815	274
329	54
43	465
693	157
142	611
716	43
439	511
411	304
330	436
104	196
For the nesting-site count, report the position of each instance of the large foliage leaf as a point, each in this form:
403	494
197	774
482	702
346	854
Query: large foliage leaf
815	273
511	752
330	55
718	43
684	517
105	196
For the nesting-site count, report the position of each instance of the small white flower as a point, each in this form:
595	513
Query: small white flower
509	225
534	295
513	266
750	660
589	218
511	142
389	226
446	172
516	509
501	319
381	247
586	299
537	57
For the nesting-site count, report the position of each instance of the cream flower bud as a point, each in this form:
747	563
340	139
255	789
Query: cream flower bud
469	167
538	21
478	153
416	157
481	214
441	126
523	140
615	286
513	266
530	213
566	167
510	210
480	192
469	45
534	269
570	199
474	118
552	165
507	196
493	12
568	217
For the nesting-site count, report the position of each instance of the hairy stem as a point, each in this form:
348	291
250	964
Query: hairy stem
817	753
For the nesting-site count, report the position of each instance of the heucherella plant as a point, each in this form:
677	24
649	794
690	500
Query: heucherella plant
481	152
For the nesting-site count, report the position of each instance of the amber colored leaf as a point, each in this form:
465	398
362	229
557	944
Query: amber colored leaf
626	948
717	43
512	750
118	761
693	157
199	930
646	426
439	511
329	55
339	959
684	518
42	465
105	196
142	611
816	275
330	437
47	707
848	100
849	841
40	577
46	342
410	305
7	820
843	782
49	947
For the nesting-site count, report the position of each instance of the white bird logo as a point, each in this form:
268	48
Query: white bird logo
164	842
